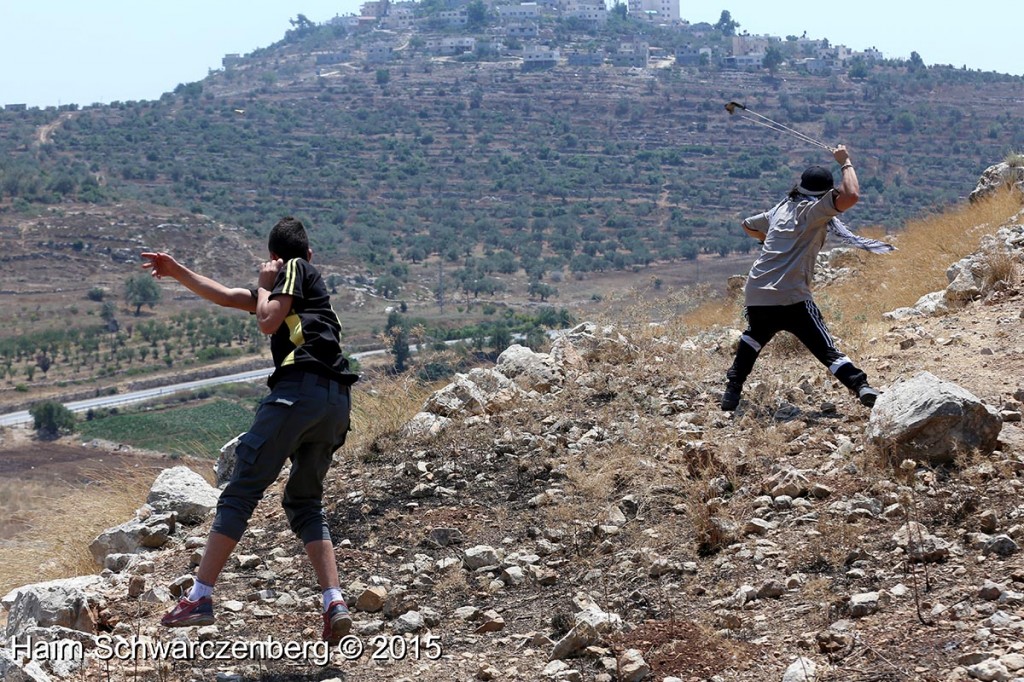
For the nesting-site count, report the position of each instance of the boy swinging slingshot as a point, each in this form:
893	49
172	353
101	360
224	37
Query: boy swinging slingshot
777	293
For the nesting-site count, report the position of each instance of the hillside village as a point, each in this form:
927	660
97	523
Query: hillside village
536	33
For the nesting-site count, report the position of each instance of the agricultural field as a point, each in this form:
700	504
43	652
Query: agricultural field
193	431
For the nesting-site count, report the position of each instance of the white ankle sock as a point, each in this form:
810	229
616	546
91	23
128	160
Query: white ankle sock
199	590
332	594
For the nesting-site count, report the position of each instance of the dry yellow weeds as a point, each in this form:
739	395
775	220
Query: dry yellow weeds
64	519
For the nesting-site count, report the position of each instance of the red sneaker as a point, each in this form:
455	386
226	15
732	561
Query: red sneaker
188	613
337	622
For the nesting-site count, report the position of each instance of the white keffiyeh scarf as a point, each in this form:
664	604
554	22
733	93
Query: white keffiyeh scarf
837	228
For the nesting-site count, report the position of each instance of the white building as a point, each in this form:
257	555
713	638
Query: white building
398	17
540	54
457	17
595	14
450	46
748	44
660	11
525	10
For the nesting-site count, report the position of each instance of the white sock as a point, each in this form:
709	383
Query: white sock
199	590
332	594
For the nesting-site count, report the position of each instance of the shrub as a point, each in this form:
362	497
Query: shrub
51	419
1001	271
1014	160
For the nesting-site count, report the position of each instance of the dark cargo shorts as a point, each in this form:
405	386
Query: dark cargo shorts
305	419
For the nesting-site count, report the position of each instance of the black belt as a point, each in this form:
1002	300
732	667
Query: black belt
296	374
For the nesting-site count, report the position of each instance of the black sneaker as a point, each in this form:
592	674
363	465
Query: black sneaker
867	395
731	397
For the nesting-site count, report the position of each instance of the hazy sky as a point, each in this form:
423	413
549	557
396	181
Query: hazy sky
70	51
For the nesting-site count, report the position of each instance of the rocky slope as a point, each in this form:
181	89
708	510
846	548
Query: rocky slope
589	514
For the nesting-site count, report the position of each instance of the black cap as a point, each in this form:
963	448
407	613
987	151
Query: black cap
815	181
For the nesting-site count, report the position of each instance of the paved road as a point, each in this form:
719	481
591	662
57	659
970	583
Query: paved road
23	417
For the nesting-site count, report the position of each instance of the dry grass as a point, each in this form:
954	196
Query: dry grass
19	500
1001	270
1014	160
384	407
63	519
926	248
637	307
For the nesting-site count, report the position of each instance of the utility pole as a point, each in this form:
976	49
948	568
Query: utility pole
440	283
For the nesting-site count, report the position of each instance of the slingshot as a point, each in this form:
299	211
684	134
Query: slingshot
731	107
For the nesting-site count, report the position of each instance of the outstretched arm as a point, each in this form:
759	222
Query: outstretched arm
163	265
849	188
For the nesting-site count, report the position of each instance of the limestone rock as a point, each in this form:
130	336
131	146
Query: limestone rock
492	622
864	604
582	635
801	670
531	371
13	671
426	425
595	343
372	599
931	420
996	177
181	490
481	391
58	602
225	465
633	667
480	556
989	670
1003	545
409	622
561	672
134	536
919	544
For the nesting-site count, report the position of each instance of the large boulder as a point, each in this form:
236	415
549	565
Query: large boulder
182	490
931	421
481	391
134	536
530	370
58	602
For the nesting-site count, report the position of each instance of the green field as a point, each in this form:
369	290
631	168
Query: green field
195	430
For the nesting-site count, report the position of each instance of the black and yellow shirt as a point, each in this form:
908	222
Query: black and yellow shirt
309	339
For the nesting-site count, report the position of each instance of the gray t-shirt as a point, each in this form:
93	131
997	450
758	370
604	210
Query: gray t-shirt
795	232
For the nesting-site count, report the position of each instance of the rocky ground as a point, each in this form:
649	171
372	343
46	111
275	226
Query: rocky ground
590	514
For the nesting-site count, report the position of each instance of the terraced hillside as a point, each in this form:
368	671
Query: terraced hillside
501	170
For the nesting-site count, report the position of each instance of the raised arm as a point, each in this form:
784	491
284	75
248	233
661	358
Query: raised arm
849	188
759	236
163	265
271	311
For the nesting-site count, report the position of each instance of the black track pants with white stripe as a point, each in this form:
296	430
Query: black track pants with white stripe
804	321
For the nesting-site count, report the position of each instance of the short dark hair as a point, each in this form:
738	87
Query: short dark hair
288	239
